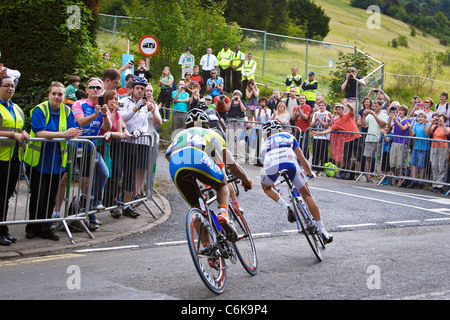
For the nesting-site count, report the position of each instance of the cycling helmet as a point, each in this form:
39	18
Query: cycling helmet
271	126
196	115
139	81
202	105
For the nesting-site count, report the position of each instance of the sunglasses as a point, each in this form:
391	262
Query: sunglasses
95	87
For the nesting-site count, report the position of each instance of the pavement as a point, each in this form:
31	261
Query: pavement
110	229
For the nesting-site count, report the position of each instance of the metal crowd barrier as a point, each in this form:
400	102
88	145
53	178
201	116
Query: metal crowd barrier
75	197
19	211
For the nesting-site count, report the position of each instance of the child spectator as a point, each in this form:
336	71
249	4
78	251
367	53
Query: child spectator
419	154
386	142
71	89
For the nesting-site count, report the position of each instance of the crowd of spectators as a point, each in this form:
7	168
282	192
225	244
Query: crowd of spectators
226	88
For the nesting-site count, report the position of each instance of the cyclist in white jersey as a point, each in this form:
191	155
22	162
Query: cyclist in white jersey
281	151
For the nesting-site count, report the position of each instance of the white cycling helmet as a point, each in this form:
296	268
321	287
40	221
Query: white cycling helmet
196	115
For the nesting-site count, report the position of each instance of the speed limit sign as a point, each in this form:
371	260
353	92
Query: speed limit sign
148	46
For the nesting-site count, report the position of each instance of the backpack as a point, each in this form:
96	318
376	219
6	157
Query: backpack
331	170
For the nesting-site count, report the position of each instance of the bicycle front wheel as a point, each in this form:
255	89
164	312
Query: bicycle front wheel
208	261
245	246
308	227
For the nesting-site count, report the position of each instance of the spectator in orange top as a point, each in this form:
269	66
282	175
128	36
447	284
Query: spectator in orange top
346	122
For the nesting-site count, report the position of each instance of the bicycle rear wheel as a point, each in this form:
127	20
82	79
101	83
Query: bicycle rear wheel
208	261
245	246
308	227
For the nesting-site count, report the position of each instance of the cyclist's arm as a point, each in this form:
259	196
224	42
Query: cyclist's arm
235	168
301	158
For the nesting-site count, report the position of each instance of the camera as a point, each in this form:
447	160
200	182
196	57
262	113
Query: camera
376	90
236	98
101	101
392	109
222	97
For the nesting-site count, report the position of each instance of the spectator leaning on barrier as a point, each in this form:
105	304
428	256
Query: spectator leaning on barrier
295	80
302	119
419	154
321	120
400	123
91	117
345	122
375	120
310	87
439	150
46	161
112	150
136	150
12	122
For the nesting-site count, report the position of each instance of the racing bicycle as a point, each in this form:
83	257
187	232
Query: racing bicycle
304	219
211	251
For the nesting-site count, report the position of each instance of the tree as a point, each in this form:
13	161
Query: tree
177	25
310	17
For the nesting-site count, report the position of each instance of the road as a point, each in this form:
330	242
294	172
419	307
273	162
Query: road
390	243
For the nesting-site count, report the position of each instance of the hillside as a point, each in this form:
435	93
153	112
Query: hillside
349	26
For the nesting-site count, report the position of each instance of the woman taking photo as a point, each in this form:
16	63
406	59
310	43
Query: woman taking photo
47	161
91	117
11	116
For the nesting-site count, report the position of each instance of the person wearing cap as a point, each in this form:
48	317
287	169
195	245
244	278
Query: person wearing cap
142	71
209	102
187	62
224	58
310	87
295	80
346	122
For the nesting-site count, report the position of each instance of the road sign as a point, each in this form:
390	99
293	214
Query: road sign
149	46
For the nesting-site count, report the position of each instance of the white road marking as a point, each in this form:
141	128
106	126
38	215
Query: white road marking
107	249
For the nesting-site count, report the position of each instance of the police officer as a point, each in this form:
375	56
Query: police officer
310	87
224	58
294	79
12	122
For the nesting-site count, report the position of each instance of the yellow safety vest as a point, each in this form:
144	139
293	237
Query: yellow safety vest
248	66
33	152
311	94
291	79
7	123
225	58
236	59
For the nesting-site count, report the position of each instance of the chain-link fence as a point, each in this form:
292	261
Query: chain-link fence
276	55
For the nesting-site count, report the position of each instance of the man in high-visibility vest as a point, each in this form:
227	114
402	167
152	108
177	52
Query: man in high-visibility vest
295	80
187	62
224	59
310	87
248	72
237	60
